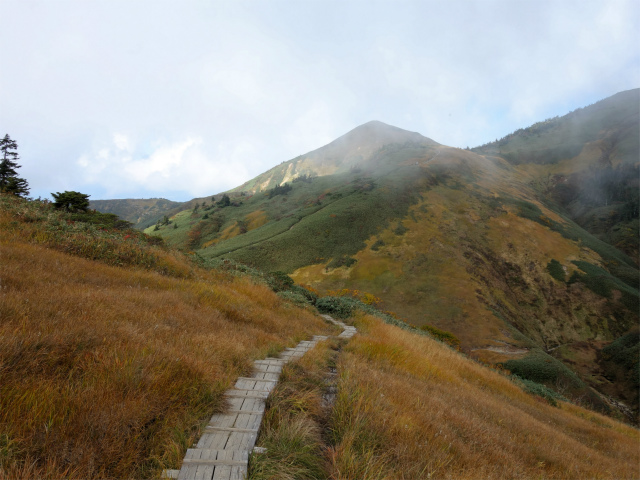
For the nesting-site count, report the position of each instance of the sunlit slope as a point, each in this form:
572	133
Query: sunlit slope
409	407
362	148
444	236
587	163
112	372
472	256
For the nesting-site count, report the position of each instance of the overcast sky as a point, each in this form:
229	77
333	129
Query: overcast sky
185	98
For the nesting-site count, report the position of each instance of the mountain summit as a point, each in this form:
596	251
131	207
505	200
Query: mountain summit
365	147
480	244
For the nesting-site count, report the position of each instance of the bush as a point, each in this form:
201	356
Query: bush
341	307
279	281
341	261
602	282
310	296
293	297
539	390
625	351
442	335
555	269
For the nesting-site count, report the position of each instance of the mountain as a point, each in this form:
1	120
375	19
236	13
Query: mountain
470	242
587	163
103	327
140	212
358	149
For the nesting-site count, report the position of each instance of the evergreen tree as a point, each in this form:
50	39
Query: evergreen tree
9	180
71	201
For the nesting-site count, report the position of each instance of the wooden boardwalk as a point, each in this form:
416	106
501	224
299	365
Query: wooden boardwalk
223	450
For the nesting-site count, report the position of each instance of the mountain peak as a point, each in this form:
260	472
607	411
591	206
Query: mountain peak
379	133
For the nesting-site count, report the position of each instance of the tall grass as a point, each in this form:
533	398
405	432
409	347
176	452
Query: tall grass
111	372
408	408
292	429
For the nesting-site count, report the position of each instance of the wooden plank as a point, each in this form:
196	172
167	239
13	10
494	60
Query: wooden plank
246	393
213	462
211	429
204	472
267	376
266	368
238	473
214	440
223	472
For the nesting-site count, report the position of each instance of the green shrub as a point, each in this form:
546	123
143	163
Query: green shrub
555	269
341	307
602	282
539	390
279	281
625	351
376	246
341	261
539	367
442	335
295	298
310	296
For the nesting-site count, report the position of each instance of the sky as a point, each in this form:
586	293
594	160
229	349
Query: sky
188	98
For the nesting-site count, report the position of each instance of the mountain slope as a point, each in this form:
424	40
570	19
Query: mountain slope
114	353
140	212
446	237
587	163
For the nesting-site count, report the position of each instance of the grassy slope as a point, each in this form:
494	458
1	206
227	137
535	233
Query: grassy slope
410	407
112	371
574	154
419	408
445	237
140	212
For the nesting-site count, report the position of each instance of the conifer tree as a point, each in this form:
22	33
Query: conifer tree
9	180
71	201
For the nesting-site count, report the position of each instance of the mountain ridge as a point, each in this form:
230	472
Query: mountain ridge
464	241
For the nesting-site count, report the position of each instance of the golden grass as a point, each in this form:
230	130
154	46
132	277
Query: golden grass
111	372
409	407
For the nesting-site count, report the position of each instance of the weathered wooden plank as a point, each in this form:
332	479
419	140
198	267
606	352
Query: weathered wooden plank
265	367
246	393
204	472
238	473
223	472
267	376
213	462
214	440
188	472
211	429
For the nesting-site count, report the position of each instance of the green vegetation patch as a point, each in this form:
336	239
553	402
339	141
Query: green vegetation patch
555	269
603	283
539	390
541	368
625	351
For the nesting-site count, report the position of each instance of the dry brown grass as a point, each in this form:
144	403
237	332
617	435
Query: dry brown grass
111	372
409	407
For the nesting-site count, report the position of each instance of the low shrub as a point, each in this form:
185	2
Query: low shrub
295	298
539	390
555	269
442	335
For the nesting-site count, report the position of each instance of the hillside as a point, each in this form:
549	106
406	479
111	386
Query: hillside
586	162
445	237
115	351
140	212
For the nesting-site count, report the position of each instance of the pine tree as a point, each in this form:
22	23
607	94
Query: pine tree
71	201
9	180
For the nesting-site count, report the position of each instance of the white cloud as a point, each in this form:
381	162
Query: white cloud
194	96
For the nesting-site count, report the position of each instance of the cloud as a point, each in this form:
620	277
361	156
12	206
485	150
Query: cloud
167	170
197	97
